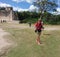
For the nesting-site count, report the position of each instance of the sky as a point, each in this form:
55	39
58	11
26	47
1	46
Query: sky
23	5
20	5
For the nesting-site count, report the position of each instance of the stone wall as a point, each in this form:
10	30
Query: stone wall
6	14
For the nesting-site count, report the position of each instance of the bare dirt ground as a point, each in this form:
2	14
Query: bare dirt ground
51	28
23	26
4	45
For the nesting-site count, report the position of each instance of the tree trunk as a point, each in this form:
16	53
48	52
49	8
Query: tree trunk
41	14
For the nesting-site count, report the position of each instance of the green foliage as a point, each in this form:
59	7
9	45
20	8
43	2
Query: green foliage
24	15
51	19
32	20
48	18
45	5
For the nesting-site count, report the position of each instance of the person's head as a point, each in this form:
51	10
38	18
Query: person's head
39	20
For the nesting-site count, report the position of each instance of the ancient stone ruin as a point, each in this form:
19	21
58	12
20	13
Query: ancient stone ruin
6	14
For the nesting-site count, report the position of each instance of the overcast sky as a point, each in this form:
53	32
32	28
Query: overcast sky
22	5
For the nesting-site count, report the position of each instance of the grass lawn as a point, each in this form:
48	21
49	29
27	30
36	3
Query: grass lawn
26	42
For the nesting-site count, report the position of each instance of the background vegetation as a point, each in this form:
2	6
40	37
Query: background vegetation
48	18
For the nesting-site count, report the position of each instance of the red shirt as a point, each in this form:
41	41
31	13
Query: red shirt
38	25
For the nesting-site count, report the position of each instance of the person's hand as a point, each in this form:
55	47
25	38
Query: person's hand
42	27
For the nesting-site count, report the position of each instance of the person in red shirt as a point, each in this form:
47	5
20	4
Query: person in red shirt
38	29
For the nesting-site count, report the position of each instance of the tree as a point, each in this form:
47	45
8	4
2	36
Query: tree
45	6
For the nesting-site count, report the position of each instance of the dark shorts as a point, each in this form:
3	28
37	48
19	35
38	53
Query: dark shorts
37	30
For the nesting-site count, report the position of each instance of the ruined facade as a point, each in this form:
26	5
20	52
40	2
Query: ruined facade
6	13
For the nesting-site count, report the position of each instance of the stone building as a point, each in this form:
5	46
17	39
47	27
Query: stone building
6	14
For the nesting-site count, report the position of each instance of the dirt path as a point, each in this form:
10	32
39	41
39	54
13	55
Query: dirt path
4	45
50	28
53	28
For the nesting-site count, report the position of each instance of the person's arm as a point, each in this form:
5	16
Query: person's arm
35	26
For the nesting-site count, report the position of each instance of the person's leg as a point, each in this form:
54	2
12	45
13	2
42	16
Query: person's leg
39	42
38	38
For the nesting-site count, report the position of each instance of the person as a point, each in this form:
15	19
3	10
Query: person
29	24
38	30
